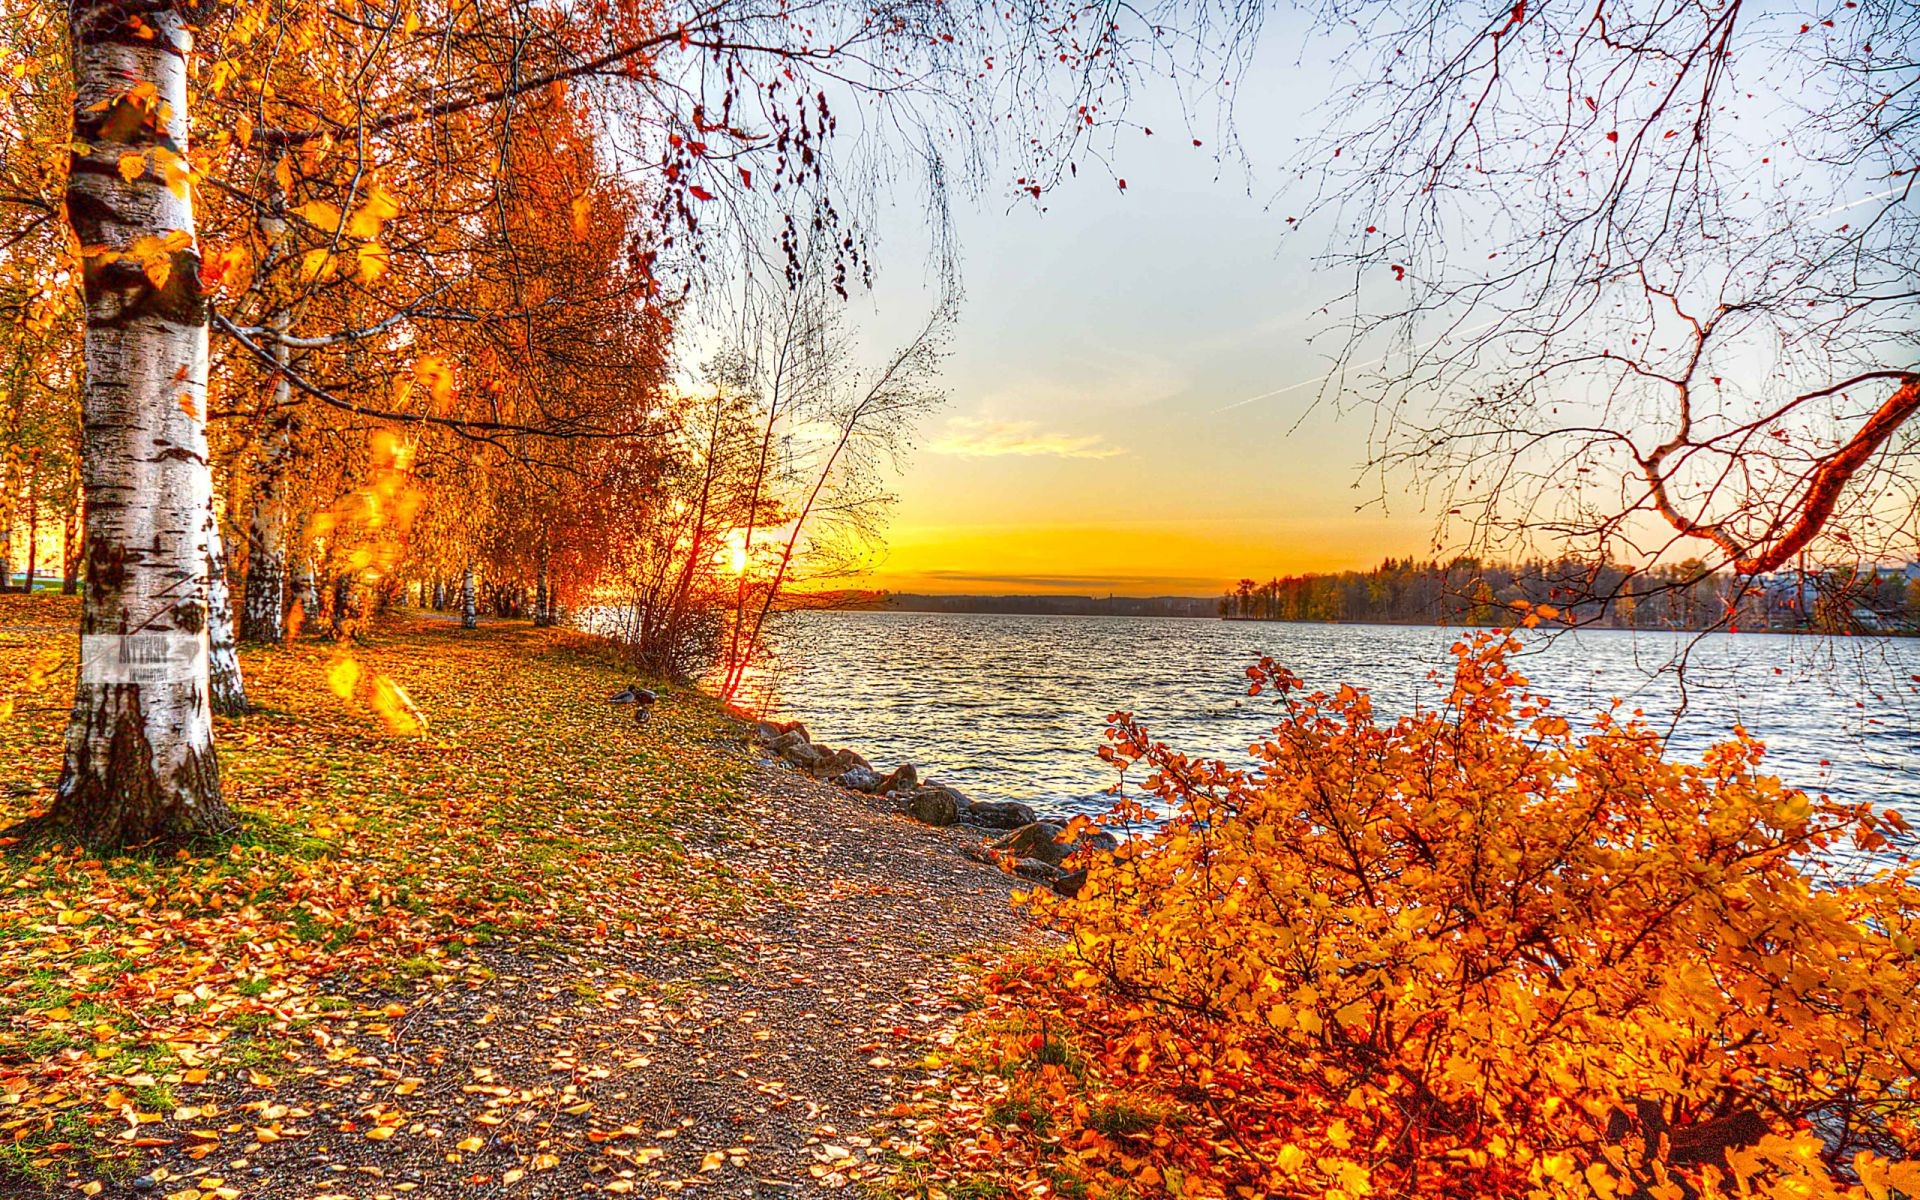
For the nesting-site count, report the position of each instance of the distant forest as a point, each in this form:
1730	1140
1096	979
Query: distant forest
1076	606
1468	591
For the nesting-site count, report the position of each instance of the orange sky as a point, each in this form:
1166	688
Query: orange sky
1133	404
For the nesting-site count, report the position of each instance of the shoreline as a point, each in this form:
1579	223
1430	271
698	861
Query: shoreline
1021	840
544	944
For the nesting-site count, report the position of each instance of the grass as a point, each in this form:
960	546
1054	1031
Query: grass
366	859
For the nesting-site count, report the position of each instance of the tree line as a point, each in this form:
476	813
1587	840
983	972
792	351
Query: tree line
1468	591
306	310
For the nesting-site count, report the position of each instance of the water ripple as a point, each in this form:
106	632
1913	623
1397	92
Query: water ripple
1013	707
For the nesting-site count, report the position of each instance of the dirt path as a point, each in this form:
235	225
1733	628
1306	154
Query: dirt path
745	1062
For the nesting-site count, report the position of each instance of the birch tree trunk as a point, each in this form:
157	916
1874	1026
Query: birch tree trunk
469	615
306	592
223	659
140	762
264	617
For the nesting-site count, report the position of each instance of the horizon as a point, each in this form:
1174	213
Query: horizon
1118	352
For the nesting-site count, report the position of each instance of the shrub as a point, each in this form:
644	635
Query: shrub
1476	952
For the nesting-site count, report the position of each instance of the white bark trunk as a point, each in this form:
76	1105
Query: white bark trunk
265	616
229	691
140	762
469	615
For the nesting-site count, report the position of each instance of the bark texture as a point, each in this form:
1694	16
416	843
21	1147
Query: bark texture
469	614
223	662
264	617
140	763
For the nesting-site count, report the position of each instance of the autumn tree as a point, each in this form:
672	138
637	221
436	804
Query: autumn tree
1635	274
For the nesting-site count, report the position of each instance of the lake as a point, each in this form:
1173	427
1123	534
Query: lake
1013	707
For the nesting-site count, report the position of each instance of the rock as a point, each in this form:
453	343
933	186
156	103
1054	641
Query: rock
1039	840
905	778
1010	814
1069	884
796	727
145	1183
785	741
933	806
838	763
859	779
766	731
962	803
1096	839
1038	871
804	755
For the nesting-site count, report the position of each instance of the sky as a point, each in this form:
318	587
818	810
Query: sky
1100	435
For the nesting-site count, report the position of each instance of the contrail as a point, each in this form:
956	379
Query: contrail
1890	192
1294	387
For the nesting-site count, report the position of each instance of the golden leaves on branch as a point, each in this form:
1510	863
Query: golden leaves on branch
363	257
1474	952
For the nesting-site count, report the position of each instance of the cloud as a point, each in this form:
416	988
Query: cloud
986	437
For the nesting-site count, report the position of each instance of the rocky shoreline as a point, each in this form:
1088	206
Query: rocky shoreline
1043	849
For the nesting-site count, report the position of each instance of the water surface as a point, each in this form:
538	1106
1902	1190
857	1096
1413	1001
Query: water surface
1013	707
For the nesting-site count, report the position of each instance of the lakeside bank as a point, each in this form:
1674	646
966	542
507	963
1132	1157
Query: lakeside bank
536	947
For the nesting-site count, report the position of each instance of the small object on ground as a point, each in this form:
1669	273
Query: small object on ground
1040	840
1009	814
1070	883
1038	871
933	806
859	779
641	698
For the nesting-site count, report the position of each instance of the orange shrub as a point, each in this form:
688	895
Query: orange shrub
1476	952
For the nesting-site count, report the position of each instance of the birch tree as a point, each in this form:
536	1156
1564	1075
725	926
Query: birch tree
140	762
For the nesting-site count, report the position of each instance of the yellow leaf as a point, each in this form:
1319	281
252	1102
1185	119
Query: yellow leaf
320	214
380	1133
315	264
713	1161
132	166
513	1176
380	207
469	1144
370	262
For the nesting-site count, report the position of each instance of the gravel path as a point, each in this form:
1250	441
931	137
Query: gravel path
749	1065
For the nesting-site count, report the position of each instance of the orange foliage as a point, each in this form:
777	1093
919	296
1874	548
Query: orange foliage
1475	952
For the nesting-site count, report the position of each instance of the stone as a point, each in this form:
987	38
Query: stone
1070	883
145	1183
785	741
1039	840
1038	871
1096	839
962	803
796	727
933	806
1008	814
804	755
765	731
838	763
859	779
905	778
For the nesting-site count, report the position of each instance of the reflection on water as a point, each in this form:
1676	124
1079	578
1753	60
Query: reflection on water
1012	708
